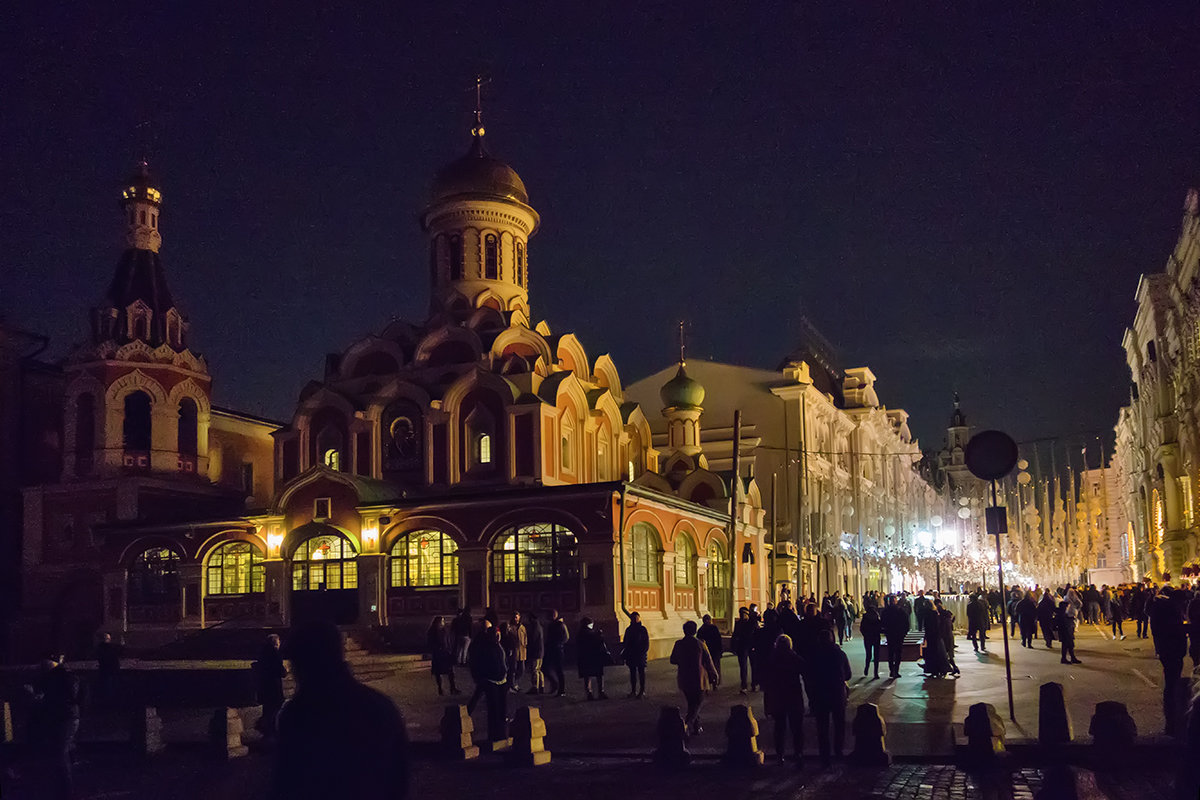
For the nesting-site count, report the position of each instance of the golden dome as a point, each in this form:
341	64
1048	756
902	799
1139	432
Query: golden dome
479	175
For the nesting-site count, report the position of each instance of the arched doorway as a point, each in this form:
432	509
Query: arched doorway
324	576
718	581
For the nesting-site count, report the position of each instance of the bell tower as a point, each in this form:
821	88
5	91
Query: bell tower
137	398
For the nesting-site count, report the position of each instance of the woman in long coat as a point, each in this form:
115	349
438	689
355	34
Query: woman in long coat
1045	616
936	663
1027	619
441	659
592	657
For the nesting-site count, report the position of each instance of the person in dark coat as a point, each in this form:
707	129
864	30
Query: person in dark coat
894	620
946	629
977	622
534	653
837	613
460	629
1047	615
742	644
490	664
936	662
783	696
557	637
1170	643
635	648
710	634
269	673
1064	626
477	655
871	629
1116	616
334	721
1027	619
441	660
1137	610
825	679
108	667
1193	618
693	664
56	722
764	642
592	656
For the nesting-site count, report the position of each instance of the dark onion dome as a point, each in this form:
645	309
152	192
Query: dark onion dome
681	391
478	175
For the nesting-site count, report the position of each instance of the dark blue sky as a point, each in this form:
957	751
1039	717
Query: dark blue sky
962	201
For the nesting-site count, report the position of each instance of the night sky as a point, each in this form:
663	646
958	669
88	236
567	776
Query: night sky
962	202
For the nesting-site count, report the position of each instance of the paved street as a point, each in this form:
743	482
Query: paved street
601	748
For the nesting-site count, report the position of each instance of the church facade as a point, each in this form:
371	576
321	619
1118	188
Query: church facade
476	458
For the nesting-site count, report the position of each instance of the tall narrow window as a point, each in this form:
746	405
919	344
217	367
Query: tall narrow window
643	553
520	263
187	439
491	257
685	561
85	433
485	448
329	447
136	428
456	258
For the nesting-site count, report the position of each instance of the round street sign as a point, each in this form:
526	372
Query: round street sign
991	455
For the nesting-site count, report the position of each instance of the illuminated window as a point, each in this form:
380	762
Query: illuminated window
154	577
1185	500
520	263
491	257
643	552
332	458
235	568
324	562
602	459
484	448
685	561
632	474
423	559
718	581
478	430
532	553
1159	520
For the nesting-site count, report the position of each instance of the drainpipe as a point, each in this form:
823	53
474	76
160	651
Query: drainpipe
621	550
734	556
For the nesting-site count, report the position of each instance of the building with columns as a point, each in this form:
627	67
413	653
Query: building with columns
1158	432
475	458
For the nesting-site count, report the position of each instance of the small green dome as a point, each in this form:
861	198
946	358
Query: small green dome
681	391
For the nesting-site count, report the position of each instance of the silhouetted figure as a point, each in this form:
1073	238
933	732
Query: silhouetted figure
337	738
557	637
1047	610
460	630
710	634
828	671
693	664
977	622
871	629
490	666
269	673
1170	643
55	721
783	695
895	626
108	667
441	660
1064	623
742	644
1027	619
635	648
592	657
534	653
478	656
936	663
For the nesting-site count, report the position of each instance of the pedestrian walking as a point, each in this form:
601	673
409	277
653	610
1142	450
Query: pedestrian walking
1116	615
742	644
269	672
894	620
1064	622
871	629
1027	619
441	659
333	721
783	696
1193	618
977	622
557	636
838	615
1170	644
461	630
592	657
520	651
710	634
535	651
108	668
635	648
1047	612
828	691
693	664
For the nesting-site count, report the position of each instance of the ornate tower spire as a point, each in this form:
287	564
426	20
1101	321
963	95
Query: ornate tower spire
142	200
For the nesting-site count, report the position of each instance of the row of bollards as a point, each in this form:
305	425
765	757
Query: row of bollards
525	745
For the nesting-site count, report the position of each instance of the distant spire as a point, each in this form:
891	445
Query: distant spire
682	344
478	131
956	405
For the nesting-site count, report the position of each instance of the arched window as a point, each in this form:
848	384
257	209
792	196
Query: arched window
718	581
491	257
234	568
538	552
567	444
602	459
136	427
85	433
329	447
456	258
643	553
154	577
423	559
188	415
520	264
484	448
1159	519
402	430
478	432
324	562
685	560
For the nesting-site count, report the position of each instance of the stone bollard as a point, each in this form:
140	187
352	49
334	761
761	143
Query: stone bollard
528	732
147	731
456	727
1054	723
6	723
225	733
672	739
870	749
741	734
984	730
1112	730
